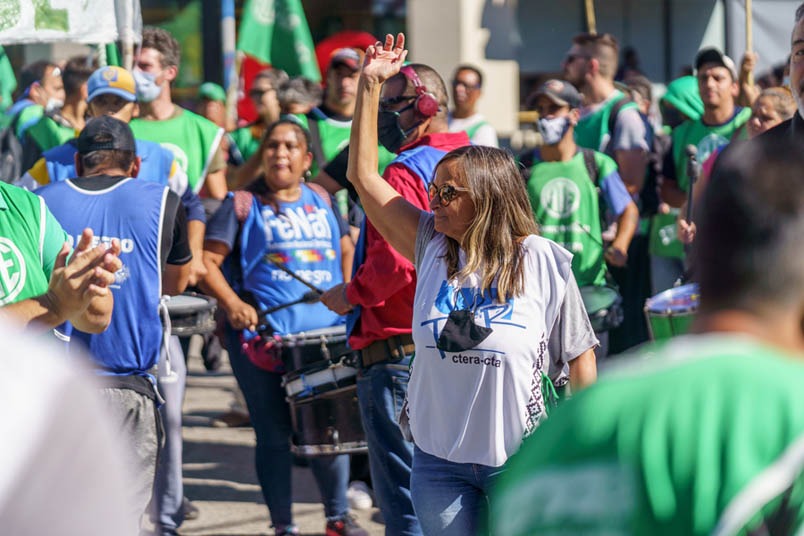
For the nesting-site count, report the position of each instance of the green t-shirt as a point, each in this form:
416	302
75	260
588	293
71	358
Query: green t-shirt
192	139
47	133
700	432
30	241
592	131
28	116
664	240
566	207
247	139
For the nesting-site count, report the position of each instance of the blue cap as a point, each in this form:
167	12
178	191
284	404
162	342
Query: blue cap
114	80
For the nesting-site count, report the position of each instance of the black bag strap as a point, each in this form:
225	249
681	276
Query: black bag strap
591	164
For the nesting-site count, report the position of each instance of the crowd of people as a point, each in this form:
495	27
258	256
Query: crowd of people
459	293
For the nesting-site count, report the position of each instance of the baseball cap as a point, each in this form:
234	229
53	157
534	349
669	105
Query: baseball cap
345	56
105	133
211	91
713	55
114	80
560	92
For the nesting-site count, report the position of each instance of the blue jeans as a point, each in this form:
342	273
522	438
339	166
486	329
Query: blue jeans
381	391
166	504
451	498
270	416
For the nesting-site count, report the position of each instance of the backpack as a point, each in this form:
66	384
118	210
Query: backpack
243	200
10	153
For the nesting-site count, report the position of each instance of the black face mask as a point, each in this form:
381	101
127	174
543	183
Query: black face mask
460	333
389	133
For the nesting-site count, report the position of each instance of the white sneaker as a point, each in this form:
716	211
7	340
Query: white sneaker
359	496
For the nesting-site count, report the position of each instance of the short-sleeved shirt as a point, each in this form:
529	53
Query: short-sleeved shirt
701	435
30	241
476	406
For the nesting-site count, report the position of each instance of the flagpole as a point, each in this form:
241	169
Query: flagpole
591	24
749	38
230	64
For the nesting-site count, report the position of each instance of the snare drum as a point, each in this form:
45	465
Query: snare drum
603	304
302	349
191	313
671	312
318	378
327	423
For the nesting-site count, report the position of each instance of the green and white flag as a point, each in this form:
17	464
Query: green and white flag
85	21
276	32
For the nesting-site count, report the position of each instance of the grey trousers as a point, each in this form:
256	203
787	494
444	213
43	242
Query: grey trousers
135	418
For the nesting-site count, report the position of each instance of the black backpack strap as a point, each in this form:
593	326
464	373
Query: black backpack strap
591	164
613	114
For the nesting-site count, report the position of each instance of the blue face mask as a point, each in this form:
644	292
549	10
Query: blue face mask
147	88
553	130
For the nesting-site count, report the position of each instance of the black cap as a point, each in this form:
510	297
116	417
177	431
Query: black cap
560	92
105	133
713	55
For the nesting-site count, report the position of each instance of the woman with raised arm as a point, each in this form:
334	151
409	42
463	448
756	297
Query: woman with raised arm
496	312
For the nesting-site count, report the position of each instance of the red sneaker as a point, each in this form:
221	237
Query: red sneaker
345	526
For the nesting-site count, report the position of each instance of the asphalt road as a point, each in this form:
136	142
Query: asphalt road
219	474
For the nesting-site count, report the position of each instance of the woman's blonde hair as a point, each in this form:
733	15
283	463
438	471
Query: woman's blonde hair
503	217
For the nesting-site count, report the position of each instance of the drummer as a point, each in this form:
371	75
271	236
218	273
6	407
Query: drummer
706	436
562	183
279	218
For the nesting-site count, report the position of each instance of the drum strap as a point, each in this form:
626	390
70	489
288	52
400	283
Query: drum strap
169	376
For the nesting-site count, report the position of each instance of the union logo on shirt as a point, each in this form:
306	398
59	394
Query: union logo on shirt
12	271
560	198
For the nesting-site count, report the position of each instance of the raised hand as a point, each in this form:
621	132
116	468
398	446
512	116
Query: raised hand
383	60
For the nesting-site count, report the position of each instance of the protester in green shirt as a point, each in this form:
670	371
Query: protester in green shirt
58	126
720	122
38	284
703	434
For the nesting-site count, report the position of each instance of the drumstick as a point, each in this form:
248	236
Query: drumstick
309	297
292	274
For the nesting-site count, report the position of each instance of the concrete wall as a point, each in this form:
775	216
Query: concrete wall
446	33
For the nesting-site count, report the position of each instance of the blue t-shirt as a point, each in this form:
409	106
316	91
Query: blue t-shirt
303	235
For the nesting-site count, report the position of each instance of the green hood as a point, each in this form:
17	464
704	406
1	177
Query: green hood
683	94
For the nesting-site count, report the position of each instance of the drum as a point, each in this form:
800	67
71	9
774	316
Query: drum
308	347
318	378
671	312
327	423
603	305
191	313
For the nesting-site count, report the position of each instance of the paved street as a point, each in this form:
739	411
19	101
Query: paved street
219	472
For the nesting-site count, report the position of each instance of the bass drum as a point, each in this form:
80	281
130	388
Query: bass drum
327	423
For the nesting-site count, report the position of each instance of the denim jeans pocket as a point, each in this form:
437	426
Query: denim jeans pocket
399	389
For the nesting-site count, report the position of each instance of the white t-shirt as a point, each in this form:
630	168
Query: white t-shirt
484	134
476	406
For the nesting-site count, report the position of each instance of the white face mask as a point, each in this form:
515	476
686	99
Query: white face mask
786	81
147	88
53	104
553	130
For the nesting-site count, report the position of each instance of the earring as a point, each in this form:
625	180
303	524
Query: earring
307	175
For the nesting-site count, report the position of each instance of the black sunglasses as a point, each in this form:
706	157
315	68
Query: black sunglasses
393	101
569	58
446	194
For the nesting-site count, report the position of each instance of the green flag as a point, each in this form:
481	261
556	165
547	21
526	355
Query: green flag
113	55
8	82
276	32
186	28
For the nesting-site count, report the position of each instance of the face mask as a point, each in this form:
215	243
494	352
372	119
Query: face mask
147	88
389	133
460	333
786	81
552	130
53	104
